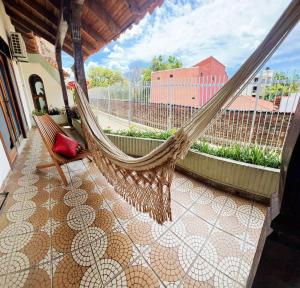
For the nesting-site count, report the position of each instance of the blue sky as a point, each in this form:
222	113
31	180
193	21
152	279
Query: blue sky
195	29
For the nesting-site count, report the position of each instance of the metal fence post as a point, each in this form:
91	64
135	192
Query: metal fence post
169	124
108	98
258	91
129	103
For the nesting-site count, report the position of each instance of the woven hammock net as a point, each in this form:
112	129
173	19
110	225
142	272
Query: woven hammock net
145	182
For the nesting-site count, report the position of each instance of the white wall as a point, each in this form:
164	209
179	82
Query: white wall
52	87
5	168
5	28
22	74
4	164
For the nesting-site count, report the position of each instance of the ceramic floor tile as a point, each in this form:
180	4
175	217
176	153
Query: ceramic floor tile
195	226
185	186
139	275
233	223
31	247
206	212
67	272
183	198
75	166
224	245
119	248
62	238
140	231
85	234
165	262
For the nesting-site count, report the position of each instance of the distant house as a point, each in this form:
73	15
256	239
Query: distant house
259	83
249	103
192	86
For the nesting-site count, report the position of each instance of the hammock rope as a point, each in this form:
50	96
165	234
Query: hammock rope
145	182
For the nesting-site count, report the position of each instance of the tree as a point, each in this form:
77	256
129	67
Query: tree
159	63
102	77
134	75
283	85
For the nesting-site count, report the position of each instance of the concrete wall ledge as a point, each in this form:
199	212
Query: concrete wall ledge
254	181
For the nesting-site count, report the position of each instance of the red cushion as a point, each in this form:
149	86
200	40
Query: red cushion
65	146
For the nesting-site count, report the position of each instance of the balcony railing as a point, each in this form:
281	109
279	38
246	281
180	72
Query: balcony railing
261	114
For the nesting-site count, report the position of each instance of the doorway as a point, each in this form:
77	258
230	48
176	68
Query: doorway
10	128
38	93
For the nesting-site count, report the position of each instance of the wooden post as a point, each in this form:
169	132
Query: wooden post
62	82
75	23
60	37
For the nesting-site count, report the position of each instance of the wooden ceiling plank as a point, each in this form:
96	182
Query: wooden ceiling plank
102	15
23	26
90	30
14	12
44	13
34	25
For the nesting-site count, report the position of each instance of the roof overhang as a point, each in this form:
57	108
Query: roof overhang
102	21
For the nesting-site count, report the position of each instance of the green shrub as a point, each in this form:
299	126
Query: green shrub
252	154
37	112
249	154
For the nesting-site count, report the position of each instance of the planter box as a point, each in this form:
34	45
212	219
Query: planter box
249	179
60	119
233	175
77	126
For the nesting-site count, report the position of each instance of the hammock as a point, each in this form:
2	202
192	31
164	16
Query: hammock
145	182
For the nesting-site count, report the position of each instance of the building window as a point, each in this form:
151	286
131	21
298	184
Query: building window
171	75
256	79
158	78
254	88
201	74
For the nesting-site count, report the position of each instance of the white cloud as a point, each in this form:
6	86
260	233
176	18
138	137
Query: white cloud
90	64
228	30
106	50
70	72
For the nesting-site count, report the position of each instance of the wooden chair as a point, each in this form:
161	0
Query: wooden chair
48	129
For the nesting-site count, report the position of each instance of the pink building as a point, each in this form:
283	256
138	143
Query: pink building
192	86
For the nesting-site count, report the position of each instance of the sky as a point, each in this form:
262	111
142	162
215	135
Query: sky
193	30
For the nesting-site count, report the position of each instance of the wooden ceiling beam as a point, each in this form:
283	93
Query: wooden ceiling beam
27	16
22	30
103	16
41	30
88	45
45	14
90	31
54	3
24	26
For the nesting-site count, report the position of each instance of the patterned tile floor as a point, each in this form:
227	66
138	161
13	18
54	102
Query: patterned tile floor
85	235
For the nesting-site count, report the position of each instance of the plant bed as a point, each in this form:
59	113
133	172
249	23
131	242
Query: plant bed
249	179
58	115
60	119
236	176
